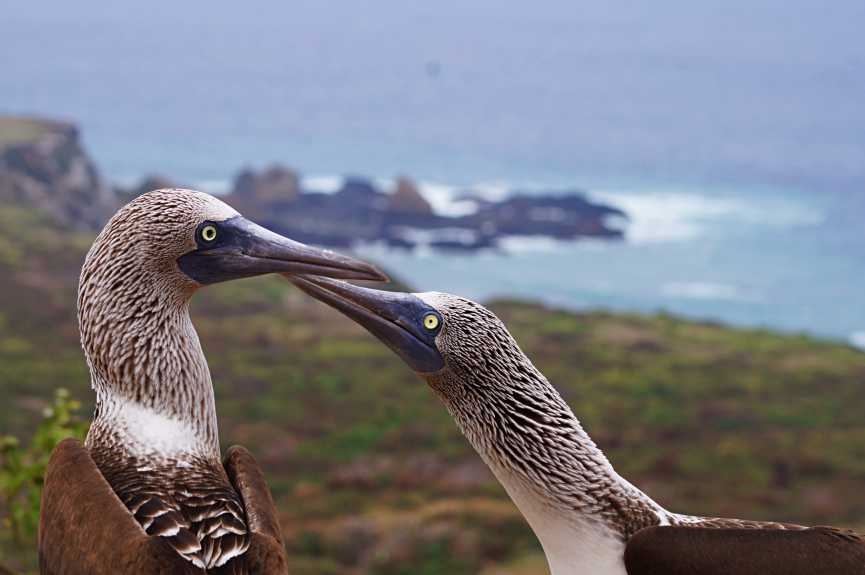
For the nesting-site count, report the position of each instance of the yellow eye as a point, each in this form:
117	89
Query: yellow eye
430	321
208	233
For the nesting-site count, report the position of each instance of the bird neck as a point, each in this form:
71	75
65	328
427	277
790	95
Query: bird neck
535	446
154	395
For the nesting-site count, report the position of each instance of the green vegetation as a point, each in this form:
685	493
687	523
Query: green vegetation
17	130
22	470
367	468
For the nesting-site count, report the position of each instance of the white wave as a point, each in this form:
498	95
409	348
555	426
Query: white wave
857	339
666	216
492	191
661	217
704	291
426	237
529	244
447	200
324	184
443	199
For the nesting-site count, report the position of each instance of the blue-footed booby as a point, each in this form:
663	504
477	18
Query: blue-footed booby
589	520
148	491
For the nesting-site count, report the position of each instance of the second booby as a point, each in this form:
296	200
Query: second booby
589	520
148	492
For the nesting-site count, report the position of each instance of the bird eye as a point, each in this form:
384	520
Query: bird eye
430	321
208	233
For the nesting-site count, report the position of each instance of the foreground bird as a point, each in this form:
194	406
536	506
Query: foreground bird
588	519
149	493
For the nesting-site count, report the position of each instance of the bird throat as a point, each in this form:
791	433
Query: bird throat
579	507
154	395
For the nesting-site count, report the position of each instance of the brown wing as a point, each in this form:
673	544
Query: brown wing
713	551
266	553
85	529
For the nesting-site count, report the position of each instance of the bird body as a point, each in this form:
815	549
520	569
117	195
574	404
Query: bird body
154	437
85	528
588	519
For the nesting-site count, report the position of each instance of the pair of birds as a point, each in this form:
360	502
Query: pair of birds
148	493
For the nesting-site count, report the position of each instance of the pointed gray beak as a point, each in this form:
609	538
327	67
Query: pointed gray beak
241	248
395	318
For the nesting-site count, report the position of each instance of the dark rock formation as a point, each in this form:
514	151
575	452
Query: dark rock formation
254	194
561	216
275	184
43	165
359	212
406	198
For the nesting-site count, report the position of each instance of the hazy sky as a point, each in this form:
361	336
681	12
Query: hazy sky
762	92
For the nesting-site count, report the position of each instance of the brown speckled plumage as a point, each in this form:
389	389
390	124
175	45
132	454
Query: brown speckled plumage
154	436
86	530
517	420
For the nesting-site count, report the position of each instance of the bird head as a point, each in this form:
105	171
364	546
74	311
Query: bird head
190	239
446	339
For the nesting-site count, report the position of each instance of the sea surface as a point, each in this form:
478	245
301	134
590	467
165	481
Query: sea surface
766	258
732	133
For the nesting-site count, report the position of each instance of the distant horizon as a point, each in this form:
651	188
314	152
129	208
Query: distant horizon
764	93
466	177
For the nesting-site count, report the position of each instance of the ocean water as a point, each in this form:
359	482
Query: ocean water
785	259
732	132
763	258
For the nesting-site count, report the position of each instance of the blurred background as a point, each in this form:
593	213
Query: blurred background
661	199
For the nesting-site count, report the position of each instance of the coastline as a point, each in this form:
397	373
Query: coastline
745	256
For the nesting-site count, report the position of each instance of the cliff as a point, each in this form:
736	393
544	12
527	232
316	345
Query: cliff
43	165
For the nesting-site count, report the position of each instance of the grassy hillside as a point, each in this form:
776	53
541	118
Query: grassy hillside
368	470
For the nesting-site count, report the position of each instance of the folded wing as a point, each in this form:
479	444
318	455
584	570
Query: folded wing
741	551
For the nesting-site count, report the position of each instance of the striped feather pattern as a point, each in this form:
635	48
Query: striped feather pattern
516	420
191	503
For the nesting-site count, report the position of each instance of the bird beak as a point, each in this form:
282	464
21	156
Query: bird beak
393	317
245	249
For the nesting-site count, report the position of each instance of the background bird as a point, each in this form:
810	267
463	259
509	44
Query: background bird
154	442
587	517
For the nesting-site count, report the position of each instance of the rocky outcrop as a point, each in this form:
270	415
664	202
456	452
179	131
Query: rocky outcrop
359	212
44	165
563	216
406	198
254	191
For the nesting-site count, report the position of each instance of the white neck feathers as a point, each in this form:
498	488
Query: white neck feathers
581	510
148	434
